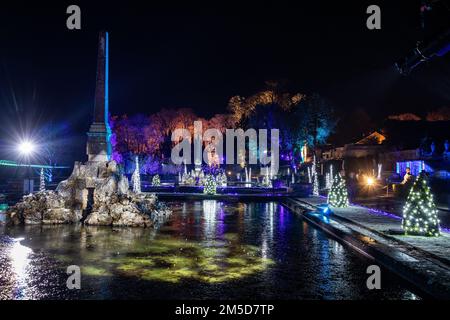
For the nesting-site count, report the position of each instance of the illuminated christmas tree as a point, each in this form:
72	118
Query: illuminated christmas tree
190	180
156	181
327	181
266	182
419	213
315	185
210	185
221	179
184	178
338	195
42	180
136	178
201	178
224	179
315	178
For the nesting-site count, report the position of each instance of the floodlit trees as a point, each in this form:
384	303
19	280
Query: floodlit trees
301	119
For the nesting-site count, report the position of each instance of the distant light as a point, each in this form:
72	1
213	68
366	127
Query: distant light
370	181
324	209
26	148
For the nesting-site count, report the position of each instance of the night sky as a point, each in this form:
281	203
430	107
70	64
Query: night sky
198	56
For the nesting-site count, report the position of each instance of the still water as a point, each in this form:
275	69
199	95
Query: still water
207	250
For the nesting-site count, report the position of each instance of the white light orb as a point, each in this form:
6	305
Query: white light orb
26	148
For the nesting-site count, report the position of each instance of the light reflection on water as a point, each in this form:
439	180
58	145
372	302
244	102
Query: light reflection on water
209	216
19	256
208	249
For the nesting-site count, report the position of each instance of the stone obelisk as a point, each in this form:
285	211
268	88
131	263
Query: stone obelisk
98	144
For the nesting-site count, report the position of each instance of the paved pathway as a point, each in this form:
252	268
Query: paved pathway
390	225
395	206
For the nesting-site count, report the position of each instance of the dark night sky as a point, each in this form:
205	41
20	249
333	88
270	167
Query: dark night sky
199	56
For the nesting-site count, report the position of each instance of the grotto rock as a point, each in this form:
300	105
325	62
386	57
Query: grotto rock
113	204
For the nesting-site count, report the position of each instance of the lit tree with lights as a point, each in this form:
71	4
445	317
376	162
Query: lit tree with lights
221	179
224	179
190	180
266	182
315	178
419	213
210	185
156	181
42	180
315	185
327	181
338	195
136	178
184	178
201	178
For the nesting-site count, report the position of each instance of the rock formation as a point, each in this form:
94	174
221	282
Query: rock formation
95	194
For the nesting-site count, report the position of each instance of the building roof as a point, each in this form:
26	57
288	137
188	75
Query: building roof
372	139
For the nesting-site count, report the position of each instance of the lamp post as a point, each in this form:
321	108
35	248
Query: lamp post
26	149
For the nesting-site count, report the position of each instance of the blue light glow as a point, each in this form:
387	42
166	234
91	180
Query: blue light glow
108	128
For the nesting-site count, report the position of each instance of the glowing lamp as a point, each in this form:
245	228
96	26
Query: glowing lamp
26	148
325	209
370	181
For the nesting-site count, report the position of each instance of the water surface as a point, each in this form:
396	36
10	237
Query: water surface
207	250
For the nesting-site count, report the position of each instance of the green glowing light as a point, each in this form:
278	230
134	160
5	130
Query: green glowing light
172	260
94	271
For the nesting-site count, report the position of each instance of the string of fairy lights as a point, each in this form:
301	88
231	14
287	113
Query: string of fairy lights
420	216
136	178
156	180
338	195
42	180
210	186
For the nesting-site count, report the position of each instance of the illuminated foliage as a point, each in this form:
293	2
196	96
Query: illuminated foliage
42	180
419	213
156	181
173	260
210	185
338	195
242	108
136	178
267	182
442	114
405	117
315	178
149	137
301	120
221	179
